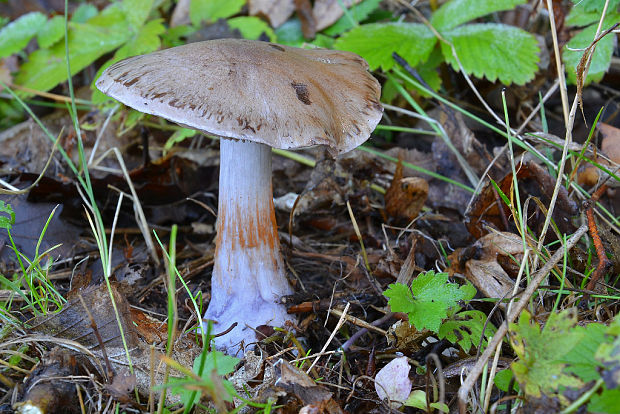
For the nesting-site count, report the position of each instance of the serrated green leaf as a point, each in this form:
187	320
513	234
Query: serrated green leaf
427	301
252	27
358	12
580	360
494	51
84	12
465	329
136	12
595	5
52	31
456	12
601	58
147	40
16	35
606	402
103	33
401	299
211	10
377	41
540	368
608	354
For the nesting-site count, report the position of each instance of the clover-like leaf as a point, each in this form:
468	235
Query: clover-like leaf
494	51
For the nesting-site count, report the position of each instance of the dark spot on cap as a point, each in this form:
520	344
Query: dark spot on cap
302	92
131	82
280	48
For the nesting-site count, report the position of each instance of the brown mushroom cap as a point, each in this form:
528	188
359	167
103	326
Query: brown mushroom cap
281	96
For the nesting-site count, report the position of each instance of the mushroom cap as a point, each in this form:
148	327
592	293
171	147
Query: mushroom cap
281	96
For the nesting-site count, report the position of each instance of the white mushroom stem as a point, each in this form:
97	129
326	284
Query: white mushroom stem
248	274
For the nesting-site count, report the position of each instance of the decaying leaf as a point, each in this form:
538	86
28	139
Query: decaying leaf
540	369
74	323
43	392
405	197
298	383
485	272
405	337
610	147
275	11
392	381
489	209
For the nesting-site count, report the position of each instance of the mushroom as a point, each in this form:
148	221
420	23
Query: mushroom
253	95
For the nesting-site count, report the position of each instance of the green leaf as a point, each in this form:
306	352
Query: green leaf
16	35
601	59
136	12
178	136
6	222
608	354
595	5
580	360
223	364
377	41
211	10
427	302
52	31
359	12
456	12
103	33
465	329
493	51
251	27
147	40
289	33
605	402
417	399
540	367
84	12
502	380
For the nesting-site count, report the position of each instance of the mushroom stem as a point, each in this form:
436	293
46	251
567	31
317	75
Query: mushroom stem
248	274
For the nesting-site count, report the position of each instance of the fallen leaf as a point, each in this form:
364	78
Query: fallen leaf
392	381
326	12
275	11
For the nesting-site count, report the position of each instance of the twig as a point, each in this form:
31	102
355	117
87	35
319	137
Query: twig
603	262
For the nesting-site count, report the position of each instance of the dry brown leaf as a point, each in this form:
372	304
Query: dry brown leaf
326	12
610	147
275	11
406	196
486	272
